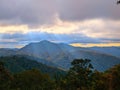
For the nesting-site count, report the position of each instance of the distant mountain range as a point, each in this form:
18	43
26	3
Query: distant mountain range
60	54
114	51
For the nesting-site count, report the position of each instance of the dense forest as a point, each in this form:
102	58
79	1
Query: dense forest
19	63
81	76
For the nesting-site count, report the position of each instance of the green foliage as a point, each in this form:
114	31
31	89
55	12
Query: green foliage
32	80
99	81
26	80
114	77
5	78
16	64
81	76
108	80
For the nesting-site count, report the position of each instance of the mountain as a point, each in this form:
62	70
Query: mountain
21	63
46	50
115	51
62	54
7	52
12	52
43	61
45	47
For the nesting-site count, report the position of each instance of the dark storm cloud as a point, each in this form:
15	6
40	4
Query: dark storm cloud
37	12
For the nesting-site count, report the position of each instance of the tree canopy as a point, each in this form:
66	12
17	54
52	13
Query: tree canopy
81	76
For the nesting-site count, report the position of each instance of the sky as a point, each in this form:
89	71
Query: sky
76	22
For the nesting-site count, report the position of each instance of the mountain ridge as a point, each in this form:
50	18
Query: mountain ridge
18	63
63	54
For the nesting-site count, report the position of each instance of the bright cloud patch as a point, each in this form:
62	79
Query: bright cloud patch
95	44
95	28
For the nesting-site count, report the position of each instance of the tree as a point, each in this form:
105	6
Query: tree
99	81
118	2
5	78
108	80
114	81
79	75
32	80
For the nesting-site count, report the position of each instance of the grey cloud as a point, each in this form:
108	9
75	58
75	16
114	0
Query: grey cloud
37	12
87	9
27	11
110	40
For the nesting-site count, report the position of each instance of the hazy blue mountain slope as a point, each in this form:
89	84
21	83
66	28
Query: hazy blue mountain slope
63	54
115	51
43	61
11	52
46	50
7	52
100	61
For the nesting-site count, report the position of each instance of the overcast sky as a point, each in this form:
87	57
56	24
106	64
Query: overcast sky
68	21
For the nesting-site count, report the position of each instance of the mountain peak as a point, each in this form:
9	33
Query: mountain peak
45	41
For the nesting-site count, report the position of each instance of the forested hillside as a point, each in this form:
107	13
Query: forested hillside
17	64
81	76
